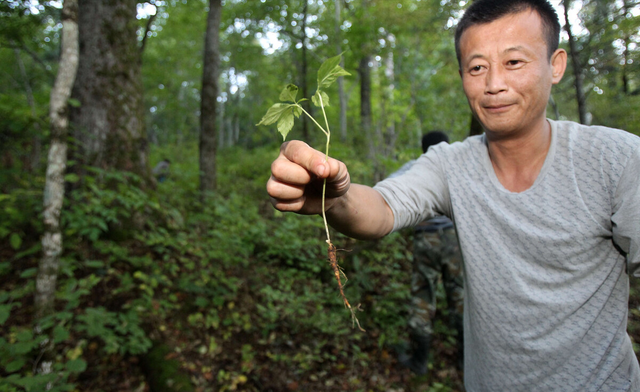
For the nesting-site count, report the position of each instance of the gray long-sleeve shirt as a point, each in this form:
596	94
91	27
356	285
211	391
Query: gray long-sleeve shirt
545	269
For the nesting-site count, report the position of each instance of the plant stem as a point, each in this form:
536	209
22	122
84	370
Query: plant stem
326	157
314	120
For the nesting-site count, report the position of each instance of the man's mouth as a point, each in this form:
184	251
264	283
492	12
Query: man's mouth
497	108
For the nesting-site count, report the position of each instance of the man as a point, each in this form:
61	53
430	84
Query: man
436	255
161	171
547	213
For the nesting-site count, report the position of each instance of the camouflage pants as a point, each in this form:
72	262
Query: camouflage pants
436	255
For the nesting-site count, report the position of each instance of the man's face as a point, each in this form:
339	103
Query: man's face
506	73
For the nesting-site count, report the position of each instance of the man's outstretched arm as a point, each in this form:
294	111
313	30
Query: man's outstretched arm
296	185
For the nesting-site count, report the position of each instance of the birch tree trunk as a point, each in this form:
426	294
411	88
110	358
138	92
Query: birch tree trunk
209	96
57	162
577	69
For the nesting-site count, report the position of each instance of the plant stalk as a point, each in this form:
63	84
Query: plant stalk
326	157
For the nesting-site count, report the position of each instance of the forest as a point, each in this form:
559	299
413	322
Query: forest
139	250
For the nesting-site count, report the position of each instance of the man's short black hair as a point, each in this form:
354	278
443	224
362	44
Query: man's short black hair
487	11
432	138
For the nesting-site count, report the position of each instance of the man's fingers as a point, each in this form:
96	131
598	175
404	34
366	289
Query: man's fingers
288	206
305	156
284	191
284	170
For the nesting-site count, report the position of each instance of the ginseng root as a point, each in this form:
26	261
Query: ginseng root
337	271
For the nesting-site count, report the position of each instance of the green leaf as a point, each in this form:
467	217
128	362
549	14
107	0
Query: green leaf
289	93
60	334
29	272
94	264
76	365
15	241
24	335
329	72
15	365
274	113
316	99
285	123
74	102
327	67
5	311
72	178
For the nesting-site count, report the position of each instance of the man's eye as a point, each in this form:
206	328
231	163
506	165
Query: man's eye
514	62
477	68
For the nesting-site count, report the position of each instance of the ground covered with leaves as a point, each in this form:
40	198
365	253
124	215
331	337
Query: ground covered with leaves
158	291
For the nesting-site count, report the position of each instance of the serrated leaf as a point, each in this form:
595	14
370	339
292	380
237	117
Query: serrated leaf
327	67
285	123
77	365
274	113
333	76
316	99
289	93
330	71
297	110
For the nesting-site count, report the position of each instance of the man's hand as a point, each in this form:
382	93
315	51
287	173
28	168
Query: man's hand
297	176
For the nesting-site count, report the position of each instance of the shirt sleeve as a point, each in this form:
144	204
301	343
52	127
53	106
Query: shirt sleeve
419	193
626	213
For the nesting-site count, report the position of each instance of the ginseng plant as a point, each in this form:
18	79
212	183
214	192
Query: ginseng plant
284	113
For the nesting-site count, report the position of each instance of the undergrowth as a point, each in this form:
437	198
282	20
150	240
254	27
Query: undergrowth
241	293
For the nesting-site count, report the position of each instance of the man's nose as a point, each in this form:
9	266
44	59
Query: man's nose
496	80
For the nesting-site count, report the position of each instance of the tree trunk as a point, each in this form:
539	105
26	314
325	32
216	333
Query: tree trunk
304	71
365	102
341	94
37	142
626	54
389	142
475	128
554	105
577	69
109	123
365	115
209	98
47	275
57	161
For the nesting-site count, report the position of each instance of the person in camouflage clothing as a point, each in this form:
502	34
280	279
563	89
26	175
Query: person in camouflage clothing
436	254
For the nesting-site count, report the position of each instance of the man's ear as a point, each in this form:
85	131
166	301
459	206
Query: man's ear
559	64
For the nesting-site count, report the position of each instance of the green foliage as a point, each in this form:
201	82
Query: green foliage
284	113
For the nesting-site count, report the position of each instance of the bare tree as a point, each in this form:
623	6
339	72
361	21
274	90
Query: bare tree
209	96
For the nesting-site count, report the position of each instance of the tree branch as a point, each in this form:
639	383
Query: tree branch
20	46
146	31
